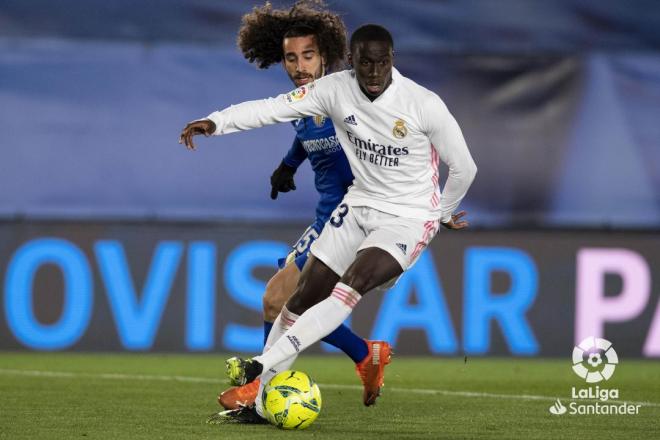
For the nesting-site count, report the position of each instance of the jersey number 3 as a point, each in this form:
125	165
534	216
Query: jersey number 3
338	216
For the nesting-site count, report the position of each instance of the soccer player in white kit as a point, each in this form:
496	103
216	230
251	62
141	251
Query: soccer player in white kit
394	133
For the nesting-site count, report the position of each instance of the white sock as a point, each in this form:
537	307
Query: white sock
316	323
282	323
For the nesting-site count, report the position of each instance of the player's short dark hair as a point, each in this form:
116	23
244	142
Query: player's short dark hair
371	32
263	31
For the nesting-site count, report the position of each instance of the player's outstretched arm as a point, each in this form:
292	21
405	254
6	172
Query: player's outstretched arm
307	100
202	126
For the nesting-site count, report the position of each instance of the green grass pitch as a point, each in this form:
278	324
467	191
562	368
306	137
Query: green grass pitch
128	396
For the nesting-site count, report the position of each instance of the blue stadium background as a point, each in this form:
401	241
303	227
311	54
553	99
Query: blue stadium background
559	102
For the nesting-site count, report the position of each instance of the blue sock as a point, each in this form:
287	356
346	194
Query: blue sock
267	327
344	339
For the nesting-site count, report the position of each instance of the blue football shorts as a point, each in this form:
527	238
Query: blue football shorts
300	251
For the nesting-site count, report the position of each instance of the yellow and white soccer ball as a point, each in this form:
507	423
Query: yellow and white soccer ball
291	400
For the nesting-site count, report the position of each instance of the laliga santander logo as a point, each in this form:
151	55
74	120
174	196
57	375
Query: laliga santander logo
595	360
600	356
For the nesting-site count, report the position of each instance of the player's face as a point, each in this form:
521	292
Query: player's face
372	61
302	60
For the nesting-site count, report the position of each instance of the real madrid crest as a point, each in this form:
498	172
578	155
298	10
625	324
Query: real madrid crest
399	131
319	121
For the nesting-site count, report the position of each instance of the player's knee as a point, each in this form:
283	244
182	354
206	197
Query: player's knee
297	303
272	300
358	280
365	278
271	309
372	268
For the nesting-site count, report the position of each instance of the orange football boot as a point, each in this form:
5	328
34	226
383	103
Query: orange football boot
237	397
371	370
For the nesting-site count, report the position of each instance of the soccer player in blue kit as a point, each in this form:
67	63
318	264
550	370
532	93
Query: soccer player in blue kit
312	40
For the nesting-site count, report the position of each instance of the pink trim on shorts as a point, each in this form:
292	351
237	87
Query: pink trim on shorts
430	228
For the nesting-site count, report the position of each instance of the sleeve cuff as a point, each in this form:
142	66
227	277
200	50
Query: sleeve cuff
216	118
291	163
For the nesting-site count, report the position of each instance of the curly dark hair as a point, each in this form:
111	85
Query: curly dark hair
263	30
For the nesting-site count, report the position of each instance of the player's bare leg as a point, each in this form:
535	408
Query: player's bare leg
372	268
315	284
278	290
371	370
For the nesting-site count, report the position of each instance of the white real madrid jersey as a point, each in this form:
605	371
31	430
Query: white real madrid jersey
394	144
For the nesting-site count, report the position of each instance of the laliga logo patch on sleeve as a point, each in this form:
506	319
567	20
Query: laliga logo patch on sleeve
296	95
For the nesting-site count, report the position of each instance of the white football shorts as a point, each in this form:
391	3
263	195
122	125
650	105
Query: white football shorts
353	228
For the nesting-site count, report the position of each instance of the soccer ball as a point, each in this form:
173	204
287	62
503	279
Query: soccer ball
291	400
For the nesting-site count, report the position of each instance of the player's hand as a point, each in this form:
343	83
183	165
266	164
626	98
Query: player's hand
202	126
456	222
282	180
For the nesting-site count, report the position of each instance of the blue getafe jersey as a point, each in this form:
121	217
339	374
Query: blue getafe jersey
316	140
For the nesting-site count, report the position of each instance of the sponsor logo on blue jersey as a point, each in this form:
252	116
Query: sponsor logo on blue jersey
327	145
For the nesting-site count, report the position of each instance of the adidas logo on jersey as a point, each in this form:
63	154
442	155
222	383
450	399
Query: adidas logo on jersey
403	247
350	120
